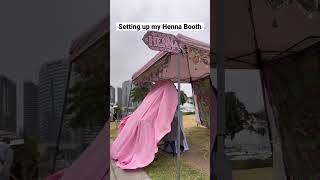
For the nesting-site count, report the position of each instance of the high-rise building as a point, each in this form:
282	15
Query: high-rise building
52	84
119	96
112	94
126	87
30	110
8	104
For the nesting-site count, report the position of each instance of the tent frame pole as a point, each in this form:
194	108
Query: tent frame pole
179	115
220	169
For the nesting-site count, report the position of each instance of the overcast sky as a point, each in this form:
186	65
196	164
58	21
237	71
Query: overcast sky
128	52
36	31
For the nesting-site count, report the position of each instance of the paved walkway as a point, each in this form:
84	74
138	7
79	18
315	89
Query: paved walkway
119	174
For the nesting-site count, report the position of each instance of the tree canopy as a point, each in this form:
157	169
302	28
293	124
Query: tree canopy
86	101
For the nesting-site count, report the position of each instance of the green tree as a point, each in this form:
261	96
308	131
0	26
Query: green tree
26	152
260	114
86	101
138	93
236	114
183	97
118	110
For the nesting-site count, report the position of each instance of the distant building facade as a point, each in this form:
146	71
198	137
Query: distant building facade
112	94
52	84
119	96
8	105
30	110
126	87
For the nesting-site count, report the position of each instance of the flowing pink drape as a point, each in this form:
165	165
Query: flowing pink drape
139	134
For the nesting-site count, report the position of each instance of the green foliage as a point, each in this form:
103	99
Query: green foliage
26	152
118	110
183	97
238	118
86	101
236	114
260	114
138	93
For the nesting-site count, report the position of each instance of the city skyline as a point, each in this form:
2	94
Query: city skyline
42	38
30	110
8	104
52	84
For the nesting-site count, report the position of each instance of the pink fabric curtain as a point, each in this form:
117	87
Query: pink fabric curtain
136	144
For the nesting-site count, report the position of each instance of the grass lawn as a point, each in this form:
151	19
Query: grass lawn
253	174
113	130
195	163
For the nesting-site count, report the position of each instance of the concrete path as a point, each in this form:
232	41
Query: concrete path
118	174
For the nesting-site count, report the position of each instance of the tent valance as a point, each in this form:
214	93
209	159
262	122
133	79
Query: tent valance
89	38
195	64
89	50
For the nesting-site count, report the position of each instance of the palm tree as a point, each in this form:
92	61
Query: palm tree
138	93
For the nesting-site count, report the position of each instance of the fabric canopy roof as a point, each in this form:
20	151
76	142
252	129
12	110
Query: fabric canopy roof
194	66
89	37
276	30
90	50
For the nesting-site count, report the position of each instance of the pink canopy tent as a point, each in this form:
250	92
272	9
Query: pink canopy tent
195	69
194	66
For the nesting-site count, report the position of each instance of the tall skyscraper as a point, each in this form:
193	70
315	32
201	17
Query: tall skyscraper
126	87
119	96
52	84
8	104
30	110
112	94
